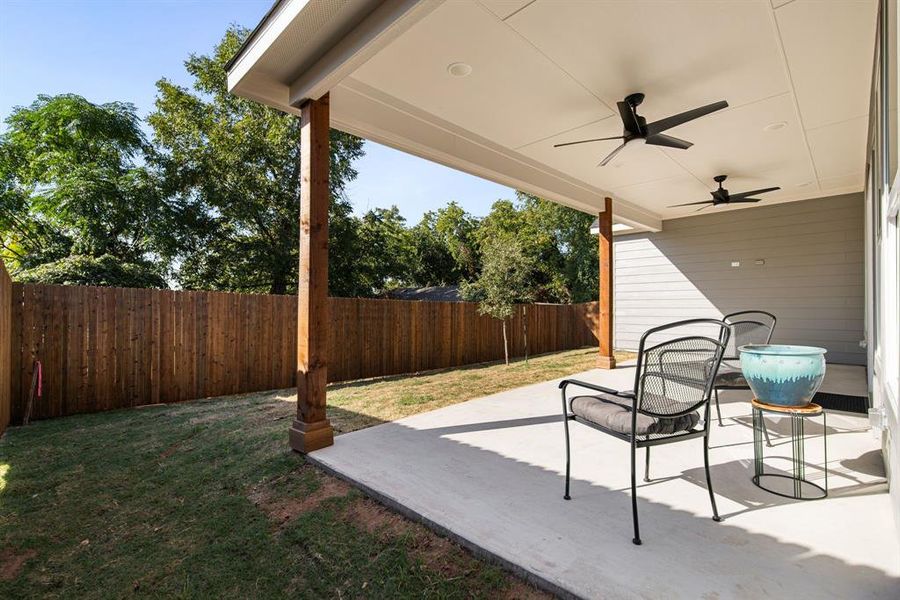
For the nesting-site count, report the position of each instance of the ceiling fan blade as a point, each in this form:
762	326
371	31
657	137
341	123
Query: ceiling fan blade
629	119
667	140
744	200
705	207
610	156
676	120
693	203
616	137
753	193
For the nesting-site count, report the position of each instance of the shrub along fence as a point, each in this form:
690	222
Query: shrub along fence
107	348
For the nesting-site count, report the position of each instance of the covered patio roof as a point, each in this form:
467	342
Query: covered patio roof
533	73
489	87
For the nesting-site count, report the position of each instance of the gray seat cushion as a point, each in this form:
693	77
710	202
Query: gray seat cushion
730	376
614	413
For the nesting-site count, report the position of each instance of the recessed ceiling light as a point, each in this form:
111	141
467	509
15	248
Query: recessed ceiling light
775	126
459	69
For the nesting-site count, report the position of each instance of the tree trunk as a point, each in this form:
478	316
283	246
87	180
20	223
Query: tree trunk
505	344
279	287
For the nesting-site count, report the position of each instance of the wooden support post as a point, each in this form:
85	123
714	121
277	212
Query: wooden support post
605	251
311	429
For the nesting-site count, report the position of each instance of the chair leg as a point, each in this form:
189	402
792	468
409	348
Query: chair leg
712	496
718	410
647	466
636	540
566	496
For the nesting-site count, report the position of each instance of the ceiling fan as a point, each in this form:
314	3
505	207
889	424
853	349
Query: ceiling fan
721	195
637	128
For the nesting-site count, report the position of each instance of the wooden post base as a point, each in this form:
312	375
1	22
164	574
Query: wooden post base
307	437
606	362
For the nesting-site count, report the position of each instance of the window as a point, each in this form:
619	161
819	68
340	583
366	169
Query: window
883	208
891	80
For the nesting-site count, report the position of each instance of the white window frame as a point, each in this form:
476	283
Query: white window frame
889	252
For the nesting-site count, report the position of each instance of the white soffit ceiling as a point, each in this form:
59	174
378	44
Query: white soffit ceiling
529	97
549	71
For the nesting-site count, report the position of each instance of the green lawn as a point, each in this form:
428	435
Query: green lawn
204	499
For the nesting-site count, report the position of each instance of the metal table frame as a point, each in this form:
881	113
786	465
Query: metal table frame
798	416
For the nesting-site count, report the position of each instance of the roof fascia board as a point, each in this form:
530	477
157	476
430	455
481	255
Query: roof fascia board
273	24
383	25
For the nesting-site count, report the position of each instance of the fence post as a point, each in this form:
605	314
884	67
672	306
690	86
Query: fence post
5	347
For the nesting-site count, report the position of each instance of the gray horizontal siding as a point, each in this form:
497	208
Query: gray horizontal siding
812	279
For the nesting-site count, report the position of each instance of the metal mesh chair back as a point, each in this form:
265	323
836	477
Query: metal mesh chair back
675	376
677	365
748	327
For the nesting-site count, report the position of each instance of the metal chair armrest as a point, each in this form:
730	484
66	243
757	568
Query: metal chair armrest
597	388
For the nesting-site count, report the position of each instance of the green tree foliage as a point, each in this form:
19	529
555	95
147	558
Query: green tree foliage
76	201
568	257
389	249
557	241
431	263
234	166
457	231
445	247
104	270
505	280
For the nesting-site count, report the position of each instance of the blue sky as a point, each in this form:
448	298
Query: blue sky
117	50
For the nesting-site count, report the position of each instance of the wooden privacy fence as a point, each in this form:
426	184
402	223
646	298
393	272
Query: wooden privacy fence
5	347
107	348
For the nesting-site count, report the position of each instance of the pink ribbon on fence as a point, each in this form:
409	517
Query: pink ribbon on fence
40	377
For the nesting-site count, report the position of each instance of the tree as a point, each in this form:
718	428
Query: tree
508	219
388	250
557	241
445	247
76	201
432	264
569	250
456	229
104	270
234	166
504	281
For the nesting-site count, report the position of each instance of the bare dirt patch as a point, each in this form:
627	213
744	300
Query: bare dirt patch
437	554
519	590
376	519
281	509
11	562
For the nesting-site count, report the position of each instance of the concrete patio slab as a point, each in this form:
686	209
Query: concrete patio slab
489	472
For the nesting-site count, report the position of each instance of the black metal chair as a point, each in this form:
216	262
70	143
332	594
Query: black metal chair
673	383
747	327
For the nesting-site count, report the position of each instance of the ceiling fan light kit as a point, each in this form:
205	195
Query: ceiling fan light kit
637	130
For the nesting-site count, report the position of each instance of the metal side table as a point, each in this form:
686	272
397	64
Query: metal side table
798	416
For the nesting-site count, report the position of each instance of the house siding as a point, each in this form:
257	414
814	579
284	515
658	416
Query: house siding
812	279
